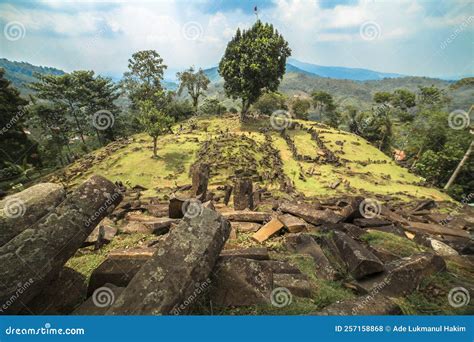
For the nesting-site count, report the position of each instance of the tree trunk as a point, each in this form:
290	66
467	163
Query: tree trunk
98	137
155	139
459	167
418	155
195	103
245	108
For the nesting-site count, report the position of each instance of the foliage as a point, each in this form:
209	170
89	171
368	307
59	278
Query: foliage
254	61
324	103
269	102
154	121
376	127
15	145
300	108
212	107
143	80
194	82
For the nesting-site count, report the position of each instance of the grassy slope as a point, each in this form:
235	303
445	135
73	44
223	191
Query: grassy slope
134	165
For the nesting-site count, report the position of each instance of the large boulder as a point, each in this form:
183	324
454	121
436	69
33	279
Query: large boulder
61	296
305	244
403	276
359	260
200	179
241	282
19	211
100	301
39	252
181	264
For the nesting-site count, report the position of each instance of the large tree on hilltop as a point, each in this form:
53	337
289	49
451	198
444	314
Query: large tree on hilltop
143	80
254	61
194	82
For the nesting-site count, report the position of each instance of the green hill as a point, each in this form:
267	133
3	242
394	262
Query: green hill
337	163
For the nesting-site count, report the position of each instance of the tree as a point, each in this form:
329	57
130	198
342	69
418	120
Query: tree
212	107
403	99
143	80
15	146
300	108
194	82
254	61
432	97
324	103
267	103
154	121
382	97
376	127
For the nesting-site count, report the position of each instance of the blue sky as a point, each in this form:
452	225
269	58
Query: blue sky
414	37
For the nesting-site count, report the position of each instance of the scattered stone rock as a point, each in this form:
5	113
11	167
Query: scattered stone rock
371	222
297	286
268	230
241	282
247	253
176	208
247	216
19	211
352	211
305	244
245	227
292	223
360	261
402	276
102	234
243	194
389	229
135	227
185	258
281	267
309	214
39	252
135	252
435	229
441	248
200	180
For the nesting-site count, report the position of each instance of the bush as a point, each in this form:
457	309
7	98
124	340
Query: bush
212	107
270	102
300	108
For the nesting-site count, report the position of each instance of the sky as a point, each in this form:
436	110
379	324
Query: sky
413	37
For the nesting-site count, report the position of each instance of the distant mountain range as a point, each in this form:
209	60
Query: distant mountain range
350	85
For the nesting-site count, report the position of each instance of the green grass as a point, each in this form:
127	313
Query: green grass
87	260
402	247
176	153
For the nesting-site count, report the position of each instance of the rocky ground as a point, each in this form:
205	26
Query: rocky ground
104	248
